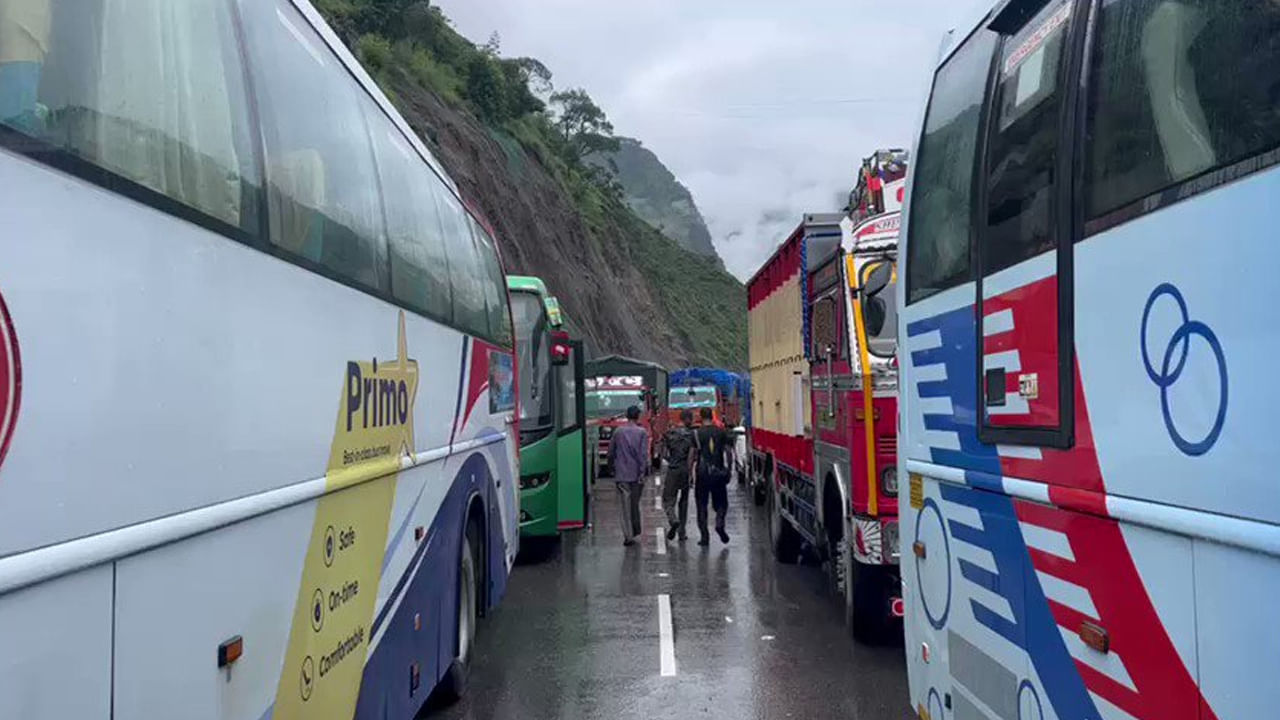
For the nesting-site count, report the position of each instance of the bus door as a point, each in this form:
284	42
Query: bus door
571	440
1024	222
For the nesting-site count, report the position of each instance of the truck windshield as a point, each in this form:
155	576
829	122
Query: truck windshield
533	342
611	403
692	397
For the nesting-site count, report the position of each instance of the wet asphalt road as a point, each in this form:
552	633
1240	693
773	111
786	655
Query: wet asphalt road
578	634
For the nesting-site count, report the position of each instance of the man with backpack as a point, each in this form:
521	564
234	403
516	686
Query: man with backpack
712	483
680	452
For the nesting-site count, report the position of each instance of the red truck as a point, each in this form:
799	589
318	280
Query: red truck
824	379
613	384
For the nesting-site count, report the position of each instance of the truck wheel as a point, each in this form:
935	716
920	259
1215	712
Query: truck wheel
783	538
846	561
454	683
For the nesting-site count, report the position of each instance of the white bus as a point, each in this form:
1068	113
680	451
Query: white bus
256	407
1091	527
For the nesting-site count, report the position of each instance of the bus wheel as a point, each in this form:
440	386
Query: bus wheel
782	537
867	603
454	683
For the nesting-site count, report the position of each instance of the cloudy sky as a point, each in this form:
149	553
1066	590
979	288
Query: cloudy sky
762	108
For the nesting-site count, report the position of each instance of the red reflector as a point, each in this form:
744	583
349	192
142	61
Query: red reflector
897	607
230	651
1095	637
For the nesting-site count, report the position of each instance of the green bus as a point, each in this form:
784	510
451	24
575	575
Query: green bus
553	491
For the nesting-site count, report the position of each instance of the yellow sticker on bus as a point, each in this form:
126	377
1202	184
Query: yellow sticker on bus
329	637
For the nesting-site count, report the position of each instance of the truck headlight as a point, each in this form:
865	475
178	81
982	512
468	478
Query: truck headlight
889	480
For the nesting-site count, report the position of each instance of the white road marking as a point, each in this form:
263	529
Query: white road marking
662	540
728	619
666	639
766	637
657	502
664	574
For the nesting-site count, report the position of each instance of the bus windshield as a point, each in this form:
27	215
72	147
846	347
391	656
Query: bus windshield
612	403
534	345
693	397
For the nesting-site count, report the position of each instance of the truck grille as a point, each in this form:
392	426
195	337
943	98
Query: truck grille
887	445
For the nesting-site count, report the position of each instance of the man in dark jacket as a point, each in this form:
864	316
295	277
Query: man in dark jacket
680	453
629	458
713	445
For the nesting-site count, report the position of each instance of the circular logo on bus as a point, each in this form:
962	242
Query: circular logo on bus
10	379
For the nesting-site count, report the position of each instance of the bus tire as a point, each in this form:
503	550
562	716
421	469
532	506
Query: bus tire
454	683
783	538
868	604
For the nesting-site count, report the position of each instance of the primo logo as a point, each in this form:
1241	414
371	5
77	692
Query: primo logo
379	401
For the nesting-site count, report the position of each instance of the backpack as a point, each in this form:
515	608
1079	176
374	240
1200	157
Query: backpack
714	471
679	442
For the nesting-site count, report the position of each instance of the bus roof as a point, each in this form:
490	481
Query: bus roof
527	283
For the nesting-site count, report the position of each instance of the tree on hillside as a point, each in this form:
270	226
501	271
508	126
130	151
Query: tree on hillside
583	125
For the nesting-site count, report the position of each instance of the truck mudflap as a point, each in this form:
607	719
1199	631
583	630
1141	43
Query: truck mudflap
875	540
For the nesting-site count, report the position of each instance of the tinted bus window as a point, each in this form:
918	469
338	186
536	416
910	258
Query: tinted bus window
165	108
534	349
323	191
419	265
1177	89
1022	157
495	287
466	273
939	243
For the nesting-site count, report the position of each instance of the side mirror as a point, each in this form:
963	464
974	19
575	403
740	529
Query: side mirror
560	349
873	315
875	281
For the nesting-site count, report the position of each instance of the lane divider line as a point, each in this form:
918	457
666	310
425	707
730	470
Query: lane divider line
666	639
662	540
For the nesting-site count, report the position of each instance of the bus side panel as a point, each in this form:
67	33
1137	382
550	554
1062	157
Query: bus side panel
1236	635
202	369
177	603
1182	350
416	632
57	662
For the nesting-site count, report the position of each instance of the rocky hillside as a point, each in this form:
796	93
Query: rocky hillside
625	286
655	194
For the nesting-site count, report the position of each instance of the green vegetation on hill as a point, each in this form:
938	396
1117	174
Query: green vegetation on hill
654	193
631	289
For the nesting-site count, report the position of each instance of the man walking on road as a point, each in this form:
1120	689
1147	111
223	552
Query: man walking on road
712	475
680	452
629	458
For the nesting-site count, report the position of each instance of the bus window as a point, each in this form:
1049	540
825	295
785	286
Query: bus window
939	243
166	109
419	266
1177	89
495	287
323	200
1022	172
467	274
533	342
